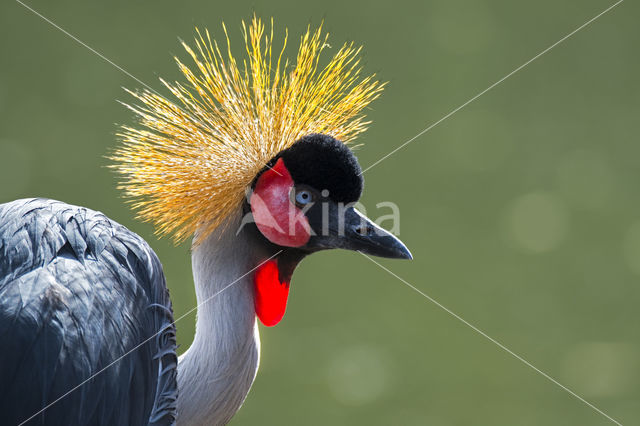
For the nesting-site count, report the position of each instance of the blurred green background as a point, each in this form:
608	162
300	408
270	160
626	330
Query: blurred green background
521	210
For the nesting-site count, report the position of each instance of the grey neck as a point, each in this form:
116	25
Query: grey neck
216	372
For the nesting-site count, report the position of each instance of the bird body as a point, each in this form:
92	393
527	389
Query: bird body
78	291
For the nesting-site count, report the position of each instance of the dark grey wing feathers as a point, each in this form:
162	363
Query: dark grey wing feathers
78	291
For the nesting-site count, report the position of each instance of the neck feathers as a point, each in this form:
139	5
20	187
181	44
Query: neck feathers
216	372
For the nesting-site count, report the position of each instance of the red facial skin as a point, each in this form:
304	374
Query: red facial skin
275	215
282	223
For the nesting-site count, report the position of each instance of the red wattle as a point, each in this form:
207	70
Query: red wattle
270	294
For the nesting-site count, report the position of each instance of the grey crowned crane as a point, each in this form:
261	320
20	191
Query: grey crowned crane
252	165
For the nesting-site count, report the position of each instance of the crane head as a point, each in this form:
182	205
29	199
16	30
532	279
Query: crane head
302	202
304	198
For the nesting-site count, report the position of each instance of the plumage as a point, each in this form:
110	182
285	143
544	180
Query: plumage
77	291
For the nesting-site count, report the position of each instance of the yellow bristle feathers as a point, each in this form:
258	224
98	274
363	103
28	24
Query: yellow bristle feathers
188	164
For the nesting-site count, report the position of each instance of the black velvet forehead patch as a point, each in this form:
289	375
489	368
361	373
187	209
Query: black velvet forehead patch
323	162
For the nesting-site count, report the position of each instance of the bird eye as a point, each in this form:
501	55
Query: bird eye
304	197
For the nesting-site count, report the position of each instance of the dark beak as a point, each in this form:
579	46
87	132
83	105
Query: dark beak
349	229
